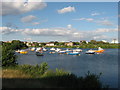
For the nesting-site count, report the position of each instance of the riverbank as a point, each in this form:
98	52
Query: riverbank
25	77
85	46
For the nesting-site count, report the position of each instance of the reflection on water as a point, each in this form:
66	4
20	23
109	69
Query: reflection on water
107	63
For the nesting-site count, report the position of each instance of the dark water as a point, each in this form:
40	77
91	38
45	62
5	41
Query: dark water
107	63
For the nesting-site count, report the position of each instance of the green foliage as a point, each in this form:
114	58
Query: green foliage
35	71
8	54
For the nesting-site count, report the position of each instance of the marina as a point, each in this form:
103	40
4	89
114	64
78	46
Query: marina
105	63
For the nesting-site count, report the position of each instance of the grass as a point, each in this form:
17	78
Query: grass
17	77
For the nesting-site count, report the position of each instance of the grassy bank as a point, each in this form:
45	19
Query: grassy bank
26	76
90	46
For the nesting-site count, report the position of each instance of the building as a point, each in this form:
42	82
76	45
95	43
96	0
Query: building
114	41
83	41
69	44
50	44
104	41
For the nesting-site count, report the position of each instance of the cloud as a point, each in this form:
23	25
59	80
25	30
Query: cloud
105	22
85	19
28	19
104	30
14	8
27	39
8	30
66	33
66	10
69	26
95	14
35	23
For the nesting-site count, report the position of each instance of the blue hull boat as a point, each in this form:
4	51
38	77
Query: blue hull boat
72	53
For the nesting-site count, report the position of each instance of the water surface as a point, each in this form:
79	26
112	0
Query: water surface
107	63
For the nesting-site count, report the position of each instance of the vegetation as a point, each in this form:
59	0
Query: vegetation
38	76
8	54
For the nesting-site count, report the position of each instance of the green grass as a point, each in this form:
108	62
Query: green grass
22	77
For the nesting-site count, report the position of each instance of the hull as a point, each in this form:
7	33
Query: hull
90	52
39	54
100	51
24	52
73	53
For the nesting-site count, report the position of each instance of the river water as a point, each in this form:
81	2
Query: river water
105	63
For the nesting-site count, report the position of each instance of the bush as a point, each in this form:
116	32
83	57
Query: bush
8	57
35	71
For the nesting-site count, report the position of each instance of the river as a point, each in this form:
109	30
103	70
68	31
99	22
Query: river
107	63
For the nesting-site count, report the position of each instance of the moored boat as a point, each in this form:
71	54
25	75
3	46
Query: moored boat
32	49
74	53
68	50
90	51
18	51
100	50
51	52
58	49
23	52
77	50
39	54
52	49
44	49
62	52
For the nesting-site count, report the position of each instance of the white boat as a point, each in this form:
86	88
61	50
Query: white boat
18	51
44	49
38	49
90	51
77	50
68	50
33	49
52	49
58	49
62	52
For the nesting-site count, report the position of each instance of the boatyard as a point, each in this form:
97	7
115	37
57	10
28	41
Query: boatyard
40	51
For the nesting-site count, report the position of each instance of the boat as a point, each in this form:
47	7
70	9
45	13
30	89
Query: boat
74	53
18	51
62	52
58	49
44	49
90	51
23	52
51	52
38	49
52	49
68	50
39	54
77	50
100	50
32	49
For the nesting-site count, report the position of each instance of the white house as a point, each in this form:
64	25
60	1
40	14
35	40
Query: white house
115	41
50	44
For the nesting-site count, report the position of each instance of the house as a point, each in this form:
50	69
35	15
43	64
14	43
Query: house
69	44
114	41
83	41
104	41
50	44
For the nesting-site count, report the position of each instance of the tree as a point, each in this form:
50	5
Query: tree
8	56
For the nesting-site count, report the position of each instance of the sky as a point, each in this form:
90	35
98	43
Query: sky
59	21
